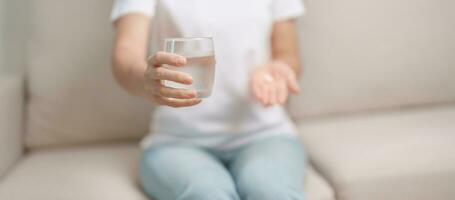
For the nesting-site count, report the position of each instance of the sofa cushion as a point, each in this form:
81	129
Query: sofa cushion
94	173
73	97
396	155
370	54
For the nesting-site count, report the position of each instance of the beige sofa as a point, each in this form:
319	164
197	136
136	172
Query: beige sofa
377	114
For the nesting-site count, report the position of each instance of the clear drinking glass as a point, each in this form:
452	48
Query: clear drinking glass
200	56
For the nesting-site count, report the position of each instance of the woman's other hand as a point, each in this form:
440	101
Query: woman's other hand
156	73
272	83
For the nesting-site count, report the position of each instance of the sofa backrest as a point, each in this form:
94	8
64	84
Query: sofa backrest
358	55
73	97
363	55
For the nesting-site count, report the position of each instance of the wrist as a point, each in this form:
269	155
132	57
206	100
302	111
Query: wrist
135	78
284	67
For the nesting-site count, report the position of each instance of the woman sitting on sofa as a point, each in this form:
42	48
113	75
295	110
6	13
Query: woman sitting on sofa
239	143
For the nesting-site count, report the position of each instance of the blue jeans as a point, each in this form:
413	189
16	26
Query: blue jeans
267	169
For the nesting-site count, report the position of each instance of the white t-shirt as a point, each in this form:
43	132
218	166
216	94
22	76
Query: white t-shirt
241	30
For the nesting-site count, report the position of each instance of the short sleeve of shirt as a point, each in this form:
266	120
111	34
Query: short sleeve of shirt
123	7
287	9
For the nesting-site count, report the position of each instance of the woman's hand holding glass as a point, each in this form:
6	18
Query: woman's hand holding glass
272	83
156	73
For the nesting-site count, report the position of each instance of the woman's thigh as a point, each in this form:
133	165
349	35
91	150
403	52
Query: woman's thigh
270	169
171	172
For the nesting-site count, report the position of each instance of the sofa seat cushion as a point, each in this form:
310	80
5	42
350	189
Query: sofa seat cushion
94	173
396	155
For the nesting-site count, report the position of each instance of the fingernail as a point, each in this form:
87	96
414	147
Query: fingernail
189	95
192	94
182	61
189	81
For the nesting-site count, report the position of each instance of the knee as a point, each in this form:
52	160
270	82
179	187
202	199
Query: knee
198	191
271	191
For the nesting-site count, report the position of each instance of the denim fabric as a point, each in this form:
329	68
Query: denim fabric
267	169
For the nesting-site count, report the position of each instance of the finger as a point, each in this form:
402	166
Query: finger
255	89
282	92
276	88
176	93
181	102
293	84
172	102
167	58
152	85
162	73
258	90
270	90
263	89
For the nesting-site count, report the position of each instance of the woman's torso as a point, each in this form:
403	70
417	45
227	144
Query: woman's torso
241	31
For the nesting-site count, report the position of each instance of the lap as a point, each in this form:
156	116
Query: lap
169	170
276	163
274	154
266	169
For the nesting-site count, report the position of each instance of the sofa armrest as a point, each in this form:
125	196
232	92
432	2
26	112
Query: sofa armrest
11	121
